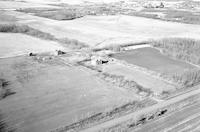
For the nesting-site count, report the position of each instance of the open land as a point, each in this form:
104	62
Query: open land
99	65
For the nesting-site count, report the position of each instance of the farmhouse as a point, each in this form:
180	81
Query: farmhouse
97	60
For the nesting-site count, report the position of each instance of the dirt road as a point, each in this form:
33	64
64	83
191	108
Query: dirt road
141	112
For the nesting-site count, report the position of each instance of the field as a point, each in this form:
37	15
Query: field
102	31
58	99
99	65
152	59
11	45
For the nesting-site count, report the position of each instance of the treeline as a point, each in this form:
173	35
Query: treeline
180	48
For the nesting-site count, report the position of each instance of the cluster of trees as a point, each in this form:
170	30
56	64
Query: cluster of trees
180	48
188	78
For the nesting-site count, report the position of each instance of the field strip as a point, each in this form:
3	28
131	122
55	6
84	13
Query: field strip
143	111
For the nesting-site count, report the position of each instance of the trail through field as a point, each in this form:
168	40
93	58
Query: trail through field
143	111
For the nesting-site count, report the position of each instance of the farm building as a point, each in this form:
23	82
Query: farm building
97	60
